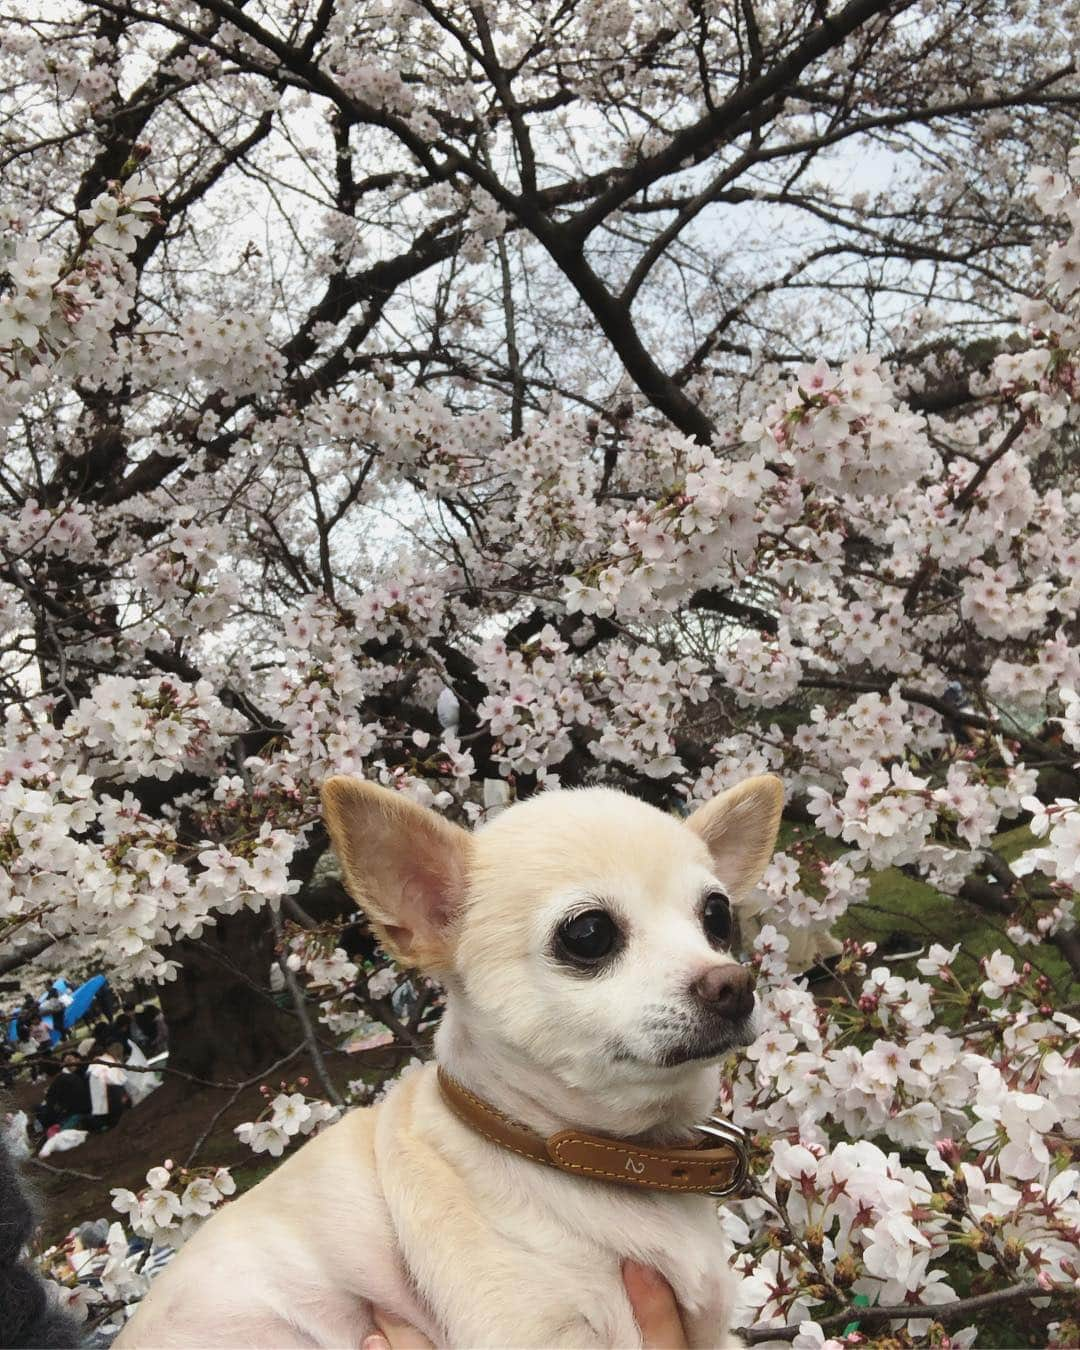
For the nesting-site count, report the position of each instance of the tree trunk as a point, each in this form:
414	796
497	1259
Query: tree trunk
223	1024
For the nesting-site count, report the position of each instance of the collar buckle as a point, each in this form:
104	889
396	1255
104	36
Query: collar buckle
739	1141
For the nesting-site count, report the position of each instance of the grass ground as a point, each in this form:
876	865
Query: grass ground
899	904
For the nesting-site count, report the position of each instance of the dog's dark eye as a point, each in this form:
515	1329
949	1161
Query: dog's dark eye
588	937
716	917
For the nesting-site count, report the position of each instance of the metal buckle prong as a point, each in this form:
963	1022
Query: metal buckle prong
736	1131
737	1138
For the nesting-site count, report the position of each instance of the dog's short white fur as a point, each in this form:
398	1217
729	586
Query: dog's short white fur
403	1207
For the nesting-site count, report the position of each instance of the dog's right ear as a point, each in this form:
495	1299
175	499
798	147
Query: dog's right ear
405	866
739	829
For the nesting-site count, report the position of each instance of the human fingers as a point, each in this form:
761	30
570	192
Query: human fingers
394	1334
655	1309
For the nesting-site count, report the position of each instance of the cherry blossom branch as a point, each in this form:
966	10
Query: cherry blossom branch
791	1233
963	500
913	695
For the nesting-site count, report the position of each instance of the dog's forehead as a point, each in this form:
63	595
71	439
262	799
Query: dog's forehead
584	838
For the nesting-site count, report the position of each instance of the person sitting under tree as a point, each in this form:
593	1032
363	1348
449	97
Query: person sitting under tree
67	1098
109	1096
55	1003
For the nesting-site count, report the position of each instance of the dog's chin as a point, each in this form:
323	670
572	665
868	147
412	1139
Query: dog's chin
701	1046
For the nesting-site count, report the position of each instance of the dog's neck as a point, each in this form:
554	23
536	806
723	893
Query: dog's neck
647	1108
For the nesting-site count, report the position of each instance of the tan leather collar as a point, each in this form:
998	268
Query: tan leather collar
716	1171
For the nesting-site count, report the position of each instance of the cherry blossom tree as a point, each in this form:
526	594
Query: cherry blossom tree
486	398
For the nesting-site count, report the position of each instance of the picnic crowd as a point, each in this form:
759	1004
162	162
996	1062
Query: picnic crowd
98	1058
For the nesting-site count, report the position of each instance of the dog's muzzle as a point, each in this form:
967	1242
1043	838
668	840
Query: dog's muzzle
712	1169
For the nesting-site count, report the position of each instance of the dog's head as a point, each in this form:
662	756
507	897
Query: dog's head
587	931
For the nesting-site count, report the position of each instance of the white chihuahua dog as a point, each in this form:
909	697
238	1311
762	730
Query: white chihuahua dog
583	939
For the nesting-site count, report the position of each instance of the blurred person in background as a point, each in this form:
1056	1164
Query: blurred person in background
109	1095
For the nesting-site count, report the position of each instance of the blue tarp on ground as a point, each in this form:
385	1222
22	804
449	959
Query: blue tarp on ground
82	998
77	1009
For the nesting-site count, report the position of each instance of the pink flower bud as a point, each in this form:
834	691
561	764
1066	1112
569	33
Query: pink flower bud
949	1151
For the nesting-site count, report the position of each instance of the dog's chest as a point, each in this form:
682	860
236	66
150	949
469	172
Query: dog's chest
492	1238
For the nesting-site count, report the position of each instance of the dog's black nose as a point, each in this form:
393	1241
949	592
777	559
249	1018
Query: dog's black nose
728	989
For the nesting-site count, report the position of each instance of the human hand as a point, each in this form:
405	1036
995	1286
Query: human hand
655	1311
395	1335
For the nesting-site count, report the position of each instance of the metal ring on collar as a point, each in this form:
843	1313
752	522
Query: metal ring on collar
737	1138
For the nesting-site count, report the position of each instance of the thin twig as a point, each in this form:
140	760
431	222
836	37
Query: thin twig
297	995
936	1312
65	1171
175	1073
989	1023
250	1082
382	1010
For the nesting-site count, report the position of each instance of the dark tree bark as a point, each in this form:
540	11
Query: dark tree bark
223	1023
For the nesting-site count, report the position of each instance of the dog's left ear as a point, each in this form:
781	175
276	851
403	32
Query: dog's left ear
405	866
739	829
